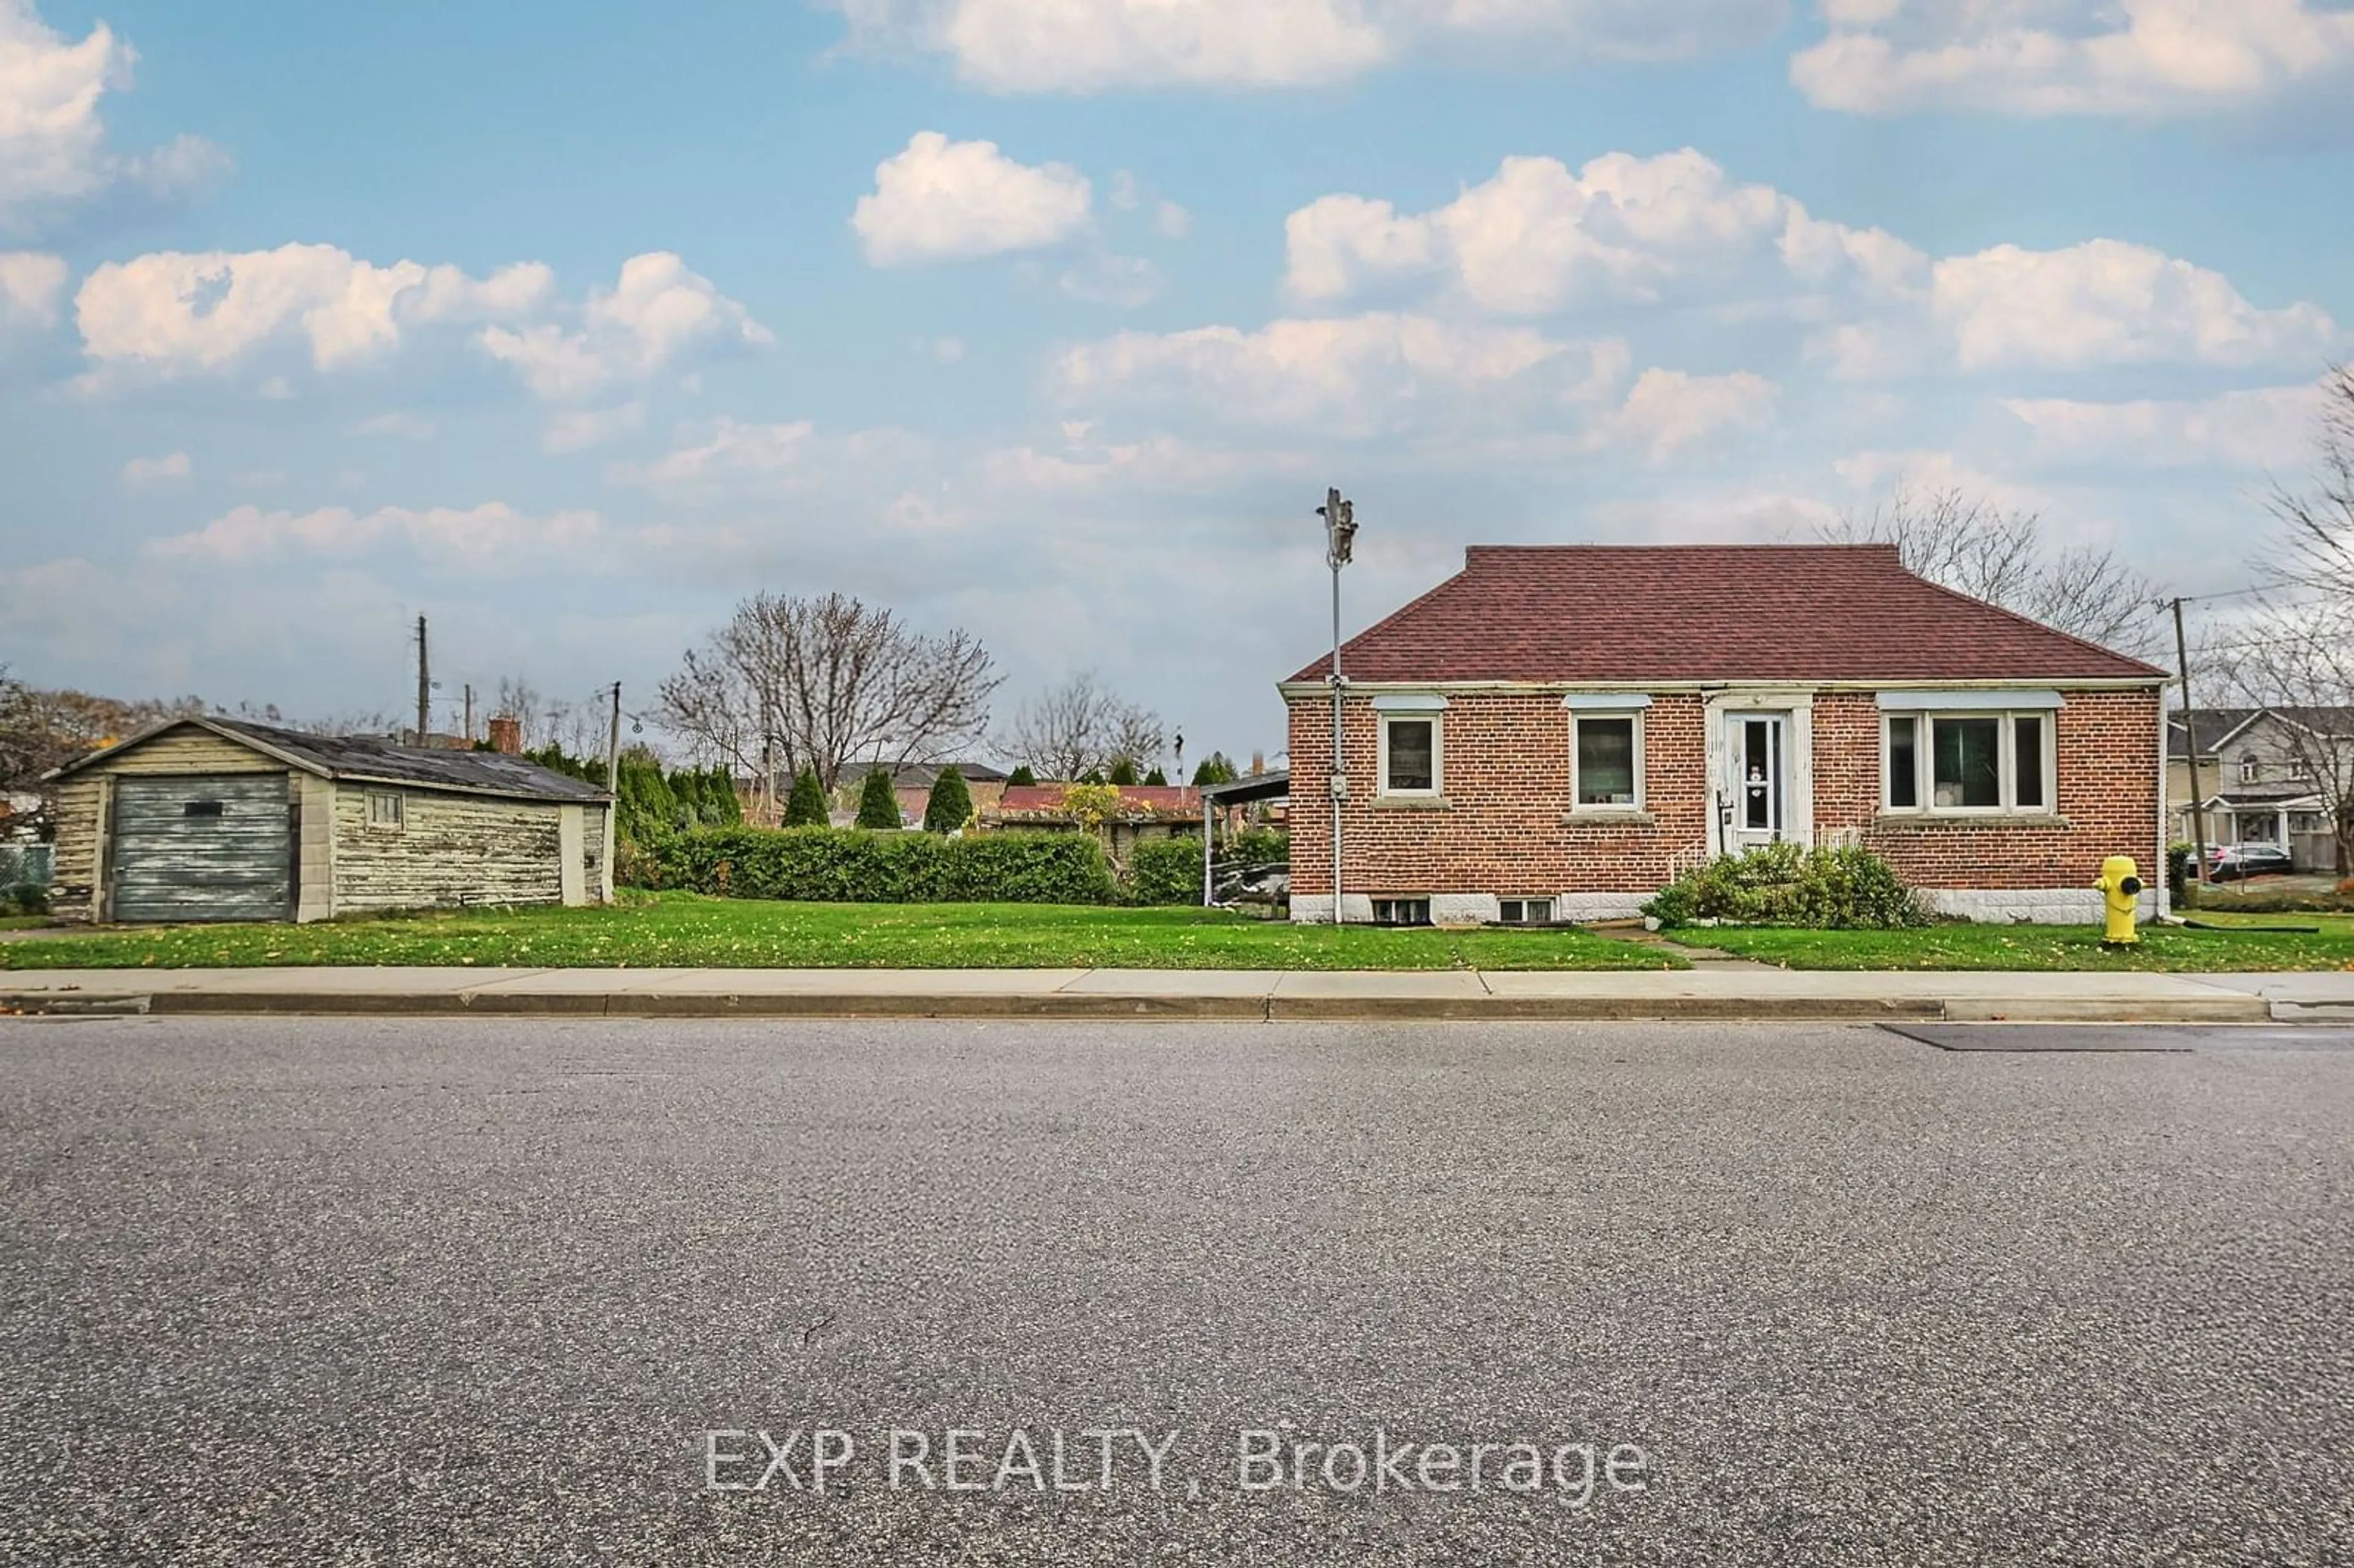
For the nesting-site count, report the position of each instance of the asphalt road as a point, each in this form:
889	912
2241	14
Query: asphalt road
477	1292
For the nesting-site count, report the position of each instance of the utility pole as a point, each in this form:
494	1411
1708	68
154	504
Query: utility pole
424	687
613	749
2191	750
1340	533
470	712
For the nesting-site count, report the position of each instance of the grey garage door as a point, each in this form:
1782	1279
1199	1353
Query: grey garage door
202	848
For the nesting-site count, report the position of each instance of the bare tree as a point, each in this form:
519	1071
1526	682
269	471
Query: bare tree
1080	727
832	683
2298	661
1976	547
2320	521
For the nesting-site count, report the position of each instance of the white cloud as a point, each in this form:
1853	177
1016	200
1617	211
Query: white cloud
2109	302
1669	412
153	473
1172	220
659	314
1358	376
736	457
177	313
576	429
2270	427
410	426
1101	278
1158	464
53	146
31	285
1537	237
494	533
949	201
1092	45
2073	57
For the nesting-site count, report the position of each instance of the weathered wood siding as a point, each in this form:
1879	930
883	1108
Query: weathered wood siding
74	881
600	888
451	850
82	806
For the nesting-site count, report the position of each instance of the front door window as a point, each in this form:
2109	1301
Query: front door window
1756	744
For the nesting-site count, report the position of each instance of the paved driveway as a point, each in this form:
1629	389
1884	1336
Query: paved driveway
284	1291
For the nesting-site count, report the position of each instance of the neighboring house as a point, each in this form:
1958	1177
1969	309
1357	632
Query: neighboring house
1146	811
1555	732
2255	775
217	818
913	785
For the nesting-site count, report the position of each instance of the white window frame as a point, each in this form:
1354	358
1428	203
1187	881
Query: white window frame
1503	919
398	823
1578	716
1436	719
1924	752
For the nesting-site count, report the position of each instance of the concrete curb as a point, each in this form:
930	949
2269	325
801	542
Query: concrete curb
2222	1008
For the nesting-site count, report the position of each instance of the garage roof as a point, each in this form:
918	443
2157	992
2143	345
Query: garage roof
366	759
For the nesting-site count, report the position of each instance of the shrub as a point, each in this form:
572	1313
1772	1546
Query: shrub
806	806
1020	777
24	898
637	864
878	804
1782	884
1156	777
1123	772
1165	871
839	866
949	805
1261	846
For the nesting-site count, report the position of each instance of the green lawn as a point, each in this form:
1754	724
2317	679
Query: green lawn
24	922
2254	942
683	930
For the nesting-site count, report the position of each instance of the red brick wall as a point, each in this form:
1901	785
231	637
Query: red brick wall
1505	774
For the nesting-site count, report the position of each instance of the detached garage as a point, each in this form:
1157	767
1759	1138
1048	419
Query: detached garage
214	819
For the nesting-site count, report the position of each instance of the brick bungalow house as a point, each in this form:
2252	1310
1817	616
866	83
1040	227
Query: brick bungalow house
1557	731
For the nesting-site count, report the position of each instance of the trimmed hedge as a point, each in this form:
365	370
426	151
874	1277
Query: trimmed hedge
848	865
1782	884
1165	871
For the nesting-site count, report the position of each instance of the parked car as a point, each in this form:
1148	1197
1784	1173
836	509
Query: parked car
2232	863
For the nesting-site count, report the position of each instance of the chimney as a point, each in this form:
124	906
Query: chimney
507	733
1258	763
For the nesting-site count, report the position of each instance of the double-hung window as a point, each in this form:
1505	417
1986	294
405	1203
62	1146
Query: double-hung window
1412	745
1973	753
1606	750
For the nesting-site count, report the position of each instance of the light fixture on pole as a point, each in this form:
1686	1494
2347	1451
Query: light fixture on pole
1340	536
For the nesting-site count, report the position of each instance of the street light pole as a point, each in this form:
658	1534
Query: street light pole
1340	533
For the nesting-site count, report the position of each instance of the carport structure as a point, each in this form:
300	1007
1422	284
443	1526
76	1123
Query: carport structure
1233	792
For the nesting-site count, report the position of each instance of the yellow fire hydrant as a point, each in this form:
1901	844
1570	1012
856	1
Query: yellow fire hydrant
2120	880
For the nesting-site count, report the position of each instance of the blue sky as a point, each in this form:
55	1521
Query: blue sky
565	325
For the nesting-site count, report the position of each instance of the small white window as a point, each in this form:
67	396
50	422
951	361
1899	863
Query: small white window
1410	760
1401	911
1607	761
1525	911
2250	768
384	810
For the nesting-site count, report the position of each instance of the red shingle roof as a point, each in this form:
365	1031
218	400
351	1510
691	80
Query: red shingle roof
1709	612
1150	802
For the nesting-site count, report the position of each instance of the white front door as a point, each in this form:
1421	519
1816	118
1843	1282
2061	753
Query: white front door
1756	748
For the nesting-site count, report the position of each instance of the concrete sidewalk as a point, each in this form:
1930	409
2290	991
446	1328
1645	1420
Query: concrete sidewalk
1266	995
